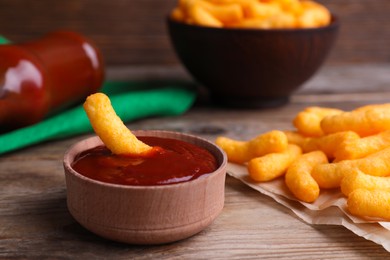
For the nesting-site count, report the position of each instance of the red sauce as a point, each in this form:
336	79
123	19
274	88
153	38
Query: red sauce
178	161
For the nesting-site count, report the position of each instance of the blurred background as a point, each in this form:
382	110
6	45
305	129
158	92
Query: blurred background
132	33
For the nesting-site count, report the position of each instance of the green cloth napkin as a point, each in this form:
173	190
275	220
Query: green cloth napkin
130	100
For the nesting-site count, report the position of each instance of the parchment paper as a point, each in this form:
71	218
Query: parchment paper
328	209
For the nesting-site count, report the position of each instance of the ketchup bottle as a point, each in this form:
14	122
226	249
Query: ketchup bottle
44	76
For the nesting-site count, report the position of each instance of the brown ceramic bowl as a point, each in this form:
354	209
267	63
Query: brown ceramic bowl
146	214
251	67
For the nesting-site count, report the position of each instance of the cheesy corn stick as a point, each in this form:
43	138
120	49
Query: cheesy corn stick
298	176
330	175
294	137
373	106
329	144
178	15
362	147
110	128
200	16
369	203
314	15
226	13
360	180
308	121
364	122
273	165
243	151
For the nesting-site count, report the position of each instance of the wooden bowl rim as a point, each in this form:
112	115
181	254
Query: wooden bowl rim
93	141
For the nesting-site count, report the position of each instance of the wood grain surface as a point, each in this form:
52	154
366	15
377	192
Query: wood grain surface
134	32
35	222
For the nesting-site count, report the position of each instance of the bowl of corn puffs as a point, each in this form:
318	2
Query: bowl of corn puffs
251	53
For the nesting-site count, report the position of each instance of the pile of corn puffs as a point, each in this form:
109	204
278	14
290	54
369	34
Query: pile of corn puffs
329	149
263	14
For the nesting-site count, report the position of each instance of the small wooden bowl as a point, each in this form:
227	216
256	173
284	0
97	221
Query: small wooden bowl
146	214
251	68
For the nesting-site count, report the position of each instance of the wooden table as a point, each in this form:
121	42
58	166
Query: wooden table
35	222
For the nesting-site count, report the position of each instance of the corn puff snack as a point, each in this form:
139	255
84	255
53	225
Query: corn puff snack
252	13
308	121
293	137
313	15
360	180
243	151
273	165
329	144
110	128
363	122
330	175
370	203
226	13
298	176
200	16
361	147
373	106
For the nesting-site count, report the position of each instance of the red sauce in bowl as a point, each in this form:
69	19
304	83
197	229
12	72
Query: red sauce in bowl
177	162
